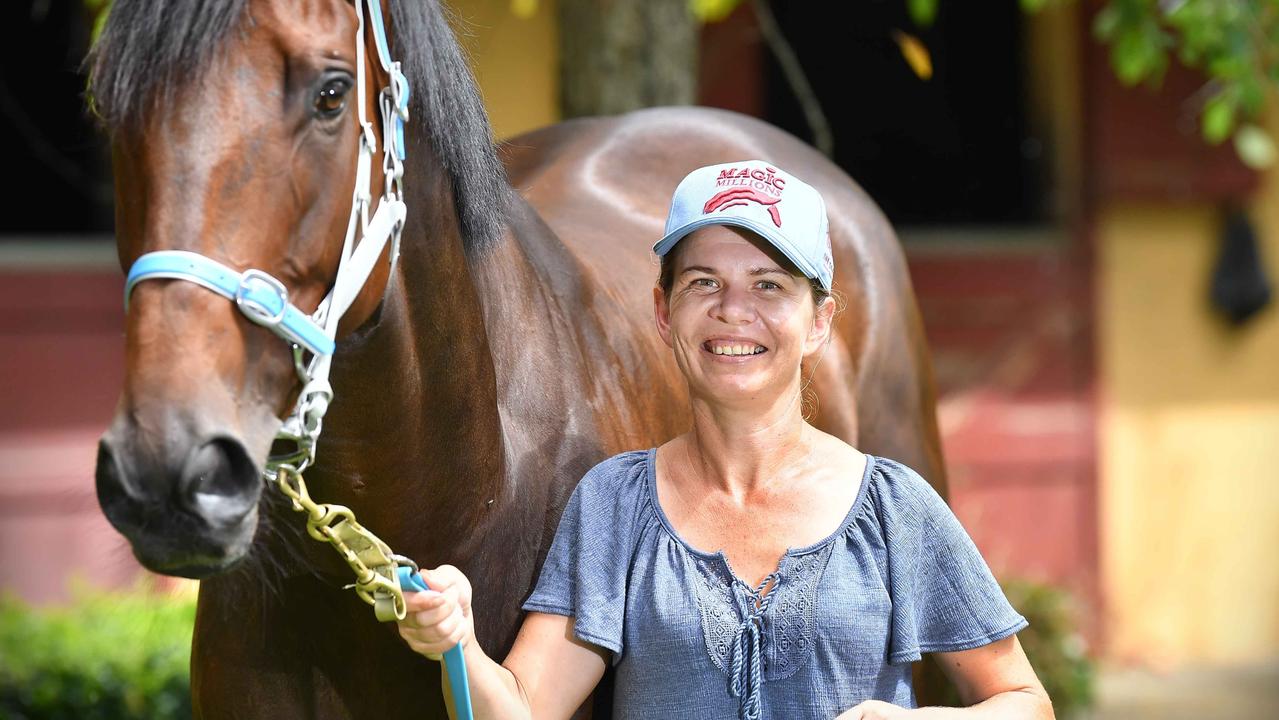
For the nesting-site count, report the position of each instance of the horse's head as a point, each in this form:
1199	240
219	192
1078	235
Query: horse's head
234	135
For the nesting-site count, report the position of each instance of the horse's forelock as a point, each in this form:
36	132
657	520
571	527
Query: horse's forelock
147	47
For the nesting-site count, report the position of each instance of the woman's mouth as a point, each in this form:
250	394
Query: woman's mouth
733	347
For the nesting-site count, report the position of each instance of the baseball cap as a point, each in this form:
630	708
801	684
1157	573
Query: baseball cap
759	197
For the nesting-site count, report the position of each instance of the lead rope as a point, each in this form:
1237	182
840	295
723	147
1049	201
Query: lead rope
746	677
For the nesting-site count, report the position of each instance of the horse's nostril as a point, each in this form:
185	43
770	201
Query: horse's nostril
219	482
110	479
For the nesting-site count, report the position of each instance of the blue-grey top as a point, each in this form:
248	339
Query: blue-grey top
842	623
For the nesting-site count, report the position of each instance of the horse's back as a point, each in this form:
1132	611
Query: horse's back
604	185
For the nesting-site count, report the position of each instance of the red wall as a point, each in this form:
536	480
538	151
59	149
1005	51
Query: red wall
61	366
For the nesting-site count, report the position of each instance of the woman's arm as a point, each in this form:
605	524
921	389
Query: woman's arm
548	673
995	681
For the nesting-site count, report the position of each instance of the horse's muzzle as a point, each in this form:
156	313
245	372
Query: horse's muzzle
194	517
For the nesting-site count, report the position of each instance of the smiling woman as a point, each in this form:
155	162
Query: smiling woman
754	566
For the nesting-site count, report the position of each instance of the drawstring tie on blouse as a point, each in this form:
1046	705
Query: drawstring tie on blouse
746	677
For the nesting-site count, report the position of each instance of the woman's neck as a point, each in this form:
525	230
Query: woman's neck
740	450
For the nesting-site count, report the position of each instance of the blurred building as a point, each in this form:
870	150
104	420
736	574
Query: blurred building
1106	428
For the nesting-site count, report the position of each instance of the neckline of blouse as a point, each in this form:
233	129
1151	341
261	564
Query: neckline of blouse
650	483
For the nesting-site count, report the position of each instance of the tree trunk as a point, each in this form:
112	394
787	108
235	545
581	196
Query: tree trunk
621	55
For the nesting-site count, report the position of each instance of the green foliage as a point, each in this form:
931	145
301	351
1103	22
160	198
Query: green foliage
103	657
1255	147
1233	42
712	10
97	10
1054	646
922	12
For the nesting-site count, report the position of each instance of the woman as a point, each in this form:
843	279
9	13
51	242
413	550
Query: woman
874	569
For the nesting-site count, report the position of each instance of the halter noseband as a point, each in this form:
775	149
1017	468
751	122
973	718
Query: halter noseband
264	300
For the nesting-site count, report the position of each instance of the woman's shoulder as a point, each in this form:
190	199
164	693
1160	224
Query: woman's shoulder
898	493
620	478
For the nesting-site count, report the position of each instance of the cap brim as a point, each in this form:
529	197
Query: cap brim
774	238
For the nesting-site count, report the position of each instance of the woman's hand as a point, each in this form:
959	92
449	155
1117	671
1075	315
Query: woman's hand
439	618
875	710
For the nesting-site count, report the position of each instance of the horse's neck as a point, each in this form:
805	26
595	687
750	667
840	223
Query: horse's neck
416	395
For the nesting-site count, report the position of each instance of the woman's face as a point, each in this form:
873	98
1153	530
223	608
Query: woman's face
738	321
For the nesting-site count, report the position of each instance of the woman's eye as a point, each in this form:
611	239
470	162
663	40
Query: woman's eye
331	99
769	285
703	282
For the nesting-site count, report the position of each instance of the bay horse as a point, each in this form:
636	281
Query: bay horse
511	348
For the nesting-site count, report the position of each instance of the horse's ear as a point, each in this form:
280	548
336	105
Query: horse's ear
662	314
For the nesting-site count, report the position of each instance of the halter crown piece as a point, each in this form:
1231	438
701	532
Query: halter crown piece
381	576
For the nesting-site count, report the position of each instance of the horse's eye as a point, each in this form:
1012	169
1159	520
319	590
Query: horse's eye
331	99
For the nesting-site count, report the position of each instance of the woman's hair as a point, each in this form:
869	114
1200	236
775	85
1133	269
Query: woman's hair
666	276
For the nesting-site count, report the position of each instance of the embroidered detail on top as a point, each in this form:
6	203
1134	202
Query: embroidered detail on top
786	624
719	610
793	611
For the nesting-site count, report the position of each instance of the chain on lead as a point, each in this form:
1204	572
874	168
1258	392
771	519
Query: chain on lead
334	524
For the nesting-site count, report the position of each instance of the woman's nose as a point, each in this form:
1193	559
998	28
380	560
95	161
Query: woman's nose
734	307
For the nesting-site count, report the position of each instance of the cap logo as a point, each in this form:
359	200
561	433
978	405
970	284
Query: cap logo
748	185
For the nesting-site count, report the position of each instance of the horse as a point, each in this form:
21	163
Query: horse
509	349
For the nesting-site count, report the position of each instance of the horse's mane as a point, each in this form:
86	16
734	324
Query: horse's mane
148	47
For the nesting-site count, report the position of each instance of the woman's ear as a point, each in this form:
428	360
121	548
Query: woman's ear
823	322
662	315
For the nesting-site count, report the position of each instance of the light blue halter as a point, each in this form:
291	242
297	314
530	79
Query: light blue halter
264	300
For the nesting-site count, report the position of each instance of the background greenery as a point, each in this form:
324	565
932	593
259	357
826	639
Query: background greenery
105	656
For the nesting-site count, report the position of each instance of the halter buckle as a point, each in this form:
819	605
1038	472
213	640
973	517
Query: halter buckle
253	281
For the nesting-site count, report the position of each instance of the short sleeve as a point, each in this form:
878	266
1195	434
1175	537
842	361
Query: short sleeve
944	597
585	573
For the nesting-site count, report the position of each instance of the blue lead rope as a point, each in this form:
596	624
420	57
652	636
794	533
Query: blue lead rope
454	663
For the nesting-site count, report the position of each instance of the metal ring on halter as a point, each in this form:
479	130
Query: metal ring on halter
252	281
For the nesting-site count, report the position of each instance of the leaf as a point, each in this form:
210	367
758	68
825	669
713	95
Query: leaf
1218	118
708	11
1137	54
922	12
524	9
915	53
1255	147
1107	22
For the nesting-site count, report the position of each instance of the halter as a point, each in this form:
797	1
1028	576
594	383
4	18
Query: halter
381	576
264	300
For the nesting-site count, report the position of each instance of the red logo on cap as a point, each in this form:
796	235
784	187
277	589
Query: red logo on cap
734	197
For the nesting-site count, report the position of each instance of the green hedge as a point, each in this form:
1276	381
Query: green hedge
1054	645
105	656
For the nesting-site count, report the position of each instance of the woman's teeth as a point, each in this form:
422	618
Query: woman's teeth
719	349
